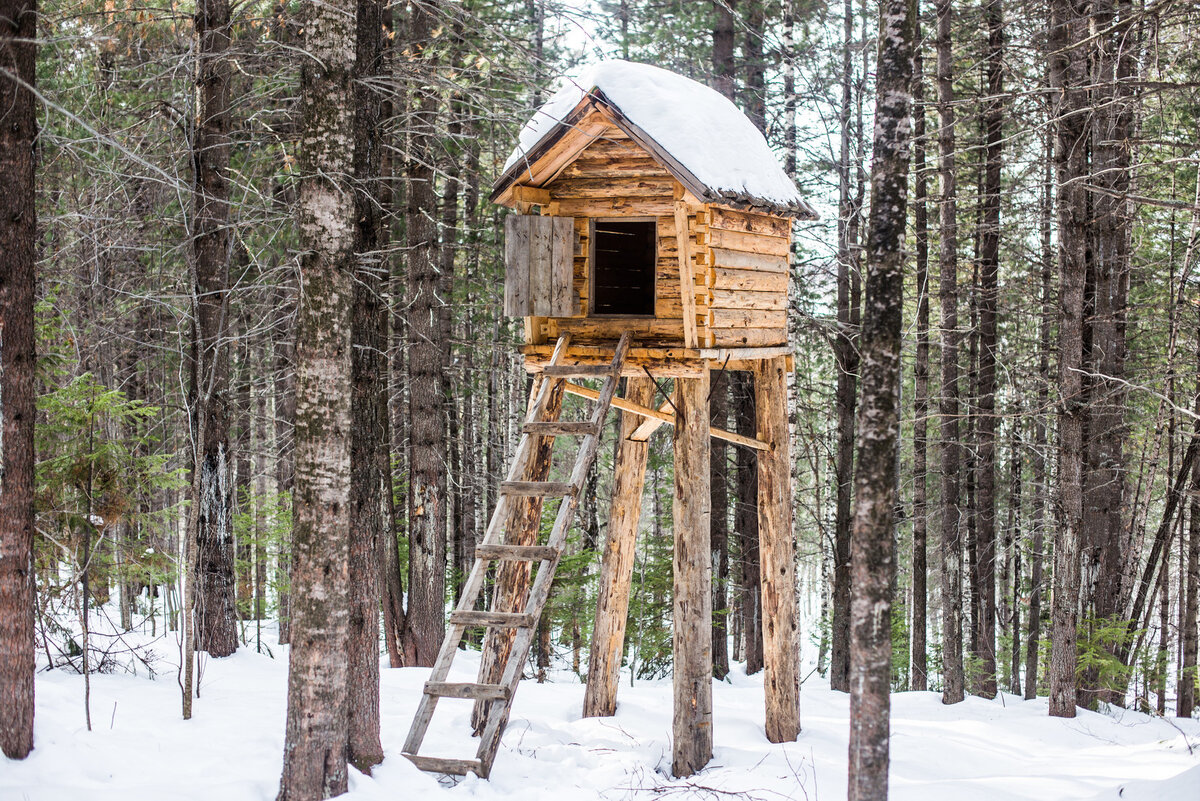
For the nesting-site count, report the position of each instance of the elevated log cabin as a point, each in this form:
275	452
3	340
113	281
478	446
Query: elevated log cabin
615	170
658	250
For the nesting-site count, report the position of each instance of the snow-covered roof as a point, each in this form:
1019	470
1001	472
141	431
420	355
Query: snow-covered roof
694	131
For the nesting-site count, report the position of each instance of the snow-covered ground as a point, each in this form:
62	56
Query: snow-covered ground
980	750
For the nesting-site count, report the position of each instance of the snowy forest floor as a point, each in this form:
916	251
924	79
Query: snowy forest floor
232	749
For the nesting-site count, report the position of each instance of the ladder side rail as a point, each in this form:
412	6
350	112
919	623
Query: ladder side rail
540	590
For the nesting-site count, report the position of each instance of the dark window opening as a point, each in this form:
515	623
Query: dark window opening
623	267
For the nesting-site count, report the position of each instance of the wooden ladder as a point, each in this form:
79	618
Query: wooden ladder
497	698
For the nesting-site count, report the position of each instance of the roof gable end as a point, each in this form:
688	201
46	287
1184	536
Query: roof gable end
698	135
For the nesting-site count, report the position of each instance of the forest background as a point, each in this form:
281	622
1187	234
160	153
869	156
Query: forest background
166	328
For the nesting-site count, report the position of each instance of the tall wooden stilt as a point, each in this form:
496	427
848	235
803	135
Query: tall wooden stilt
776	554
616	571
693	736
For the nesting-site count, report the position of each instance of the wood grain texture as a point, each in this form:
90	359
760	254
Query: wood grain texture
776	552
692	586
616	569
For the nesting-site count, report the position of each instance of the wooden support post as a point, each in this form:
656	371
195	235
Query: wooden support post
693	737
776	551
616	570
512	579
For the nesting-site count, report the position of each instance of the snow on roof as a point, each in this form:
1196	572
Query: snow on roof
698	127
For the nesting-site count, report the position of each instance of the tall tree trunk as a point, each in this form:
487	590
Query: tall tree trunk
1067	58
989	268
1102	551
845	351
18	243
949	446
425	620
1040	440
316	735
243	492
919	675
1012	552
215	615
876	497
285	413
722	385
724	73
1186	702
368	429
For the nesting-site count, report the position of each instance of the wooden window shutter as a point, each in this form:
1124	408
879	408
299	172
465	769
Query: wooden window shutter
539	266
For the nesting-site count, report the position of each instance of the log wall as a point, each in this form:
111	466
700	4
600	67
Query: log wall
740	259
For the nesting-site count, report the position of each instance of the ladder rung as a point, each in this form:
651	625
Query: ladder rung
472	690
537	488
516	553
577	370
452	767
555	427
505	620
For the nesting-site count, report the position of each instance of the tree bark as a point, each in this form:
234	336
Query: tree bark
368	429
425	619
316	735
989	269
949	446
18	243
1103	548
616	569
1067	58
919	674
285	414
781	647
1040	440
1186	702
215	613
692	613
845	351
876	496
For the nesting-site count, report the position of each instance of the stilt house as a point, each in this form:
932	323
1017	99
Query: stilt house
650	241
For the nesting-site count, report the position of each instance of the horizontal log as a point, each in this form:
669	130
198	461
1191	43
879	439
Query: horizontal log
537	489
746	337
648	186
613	144
742	260
744	242
576	371
749	222
516	553
747	318
531	194
506	620
450	767
612	167
614	206
745	354
748	280
748	299
665	417
471	690
556	428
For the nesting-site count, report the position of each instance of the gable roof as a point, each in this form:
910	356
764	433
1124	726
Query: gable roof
696	133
